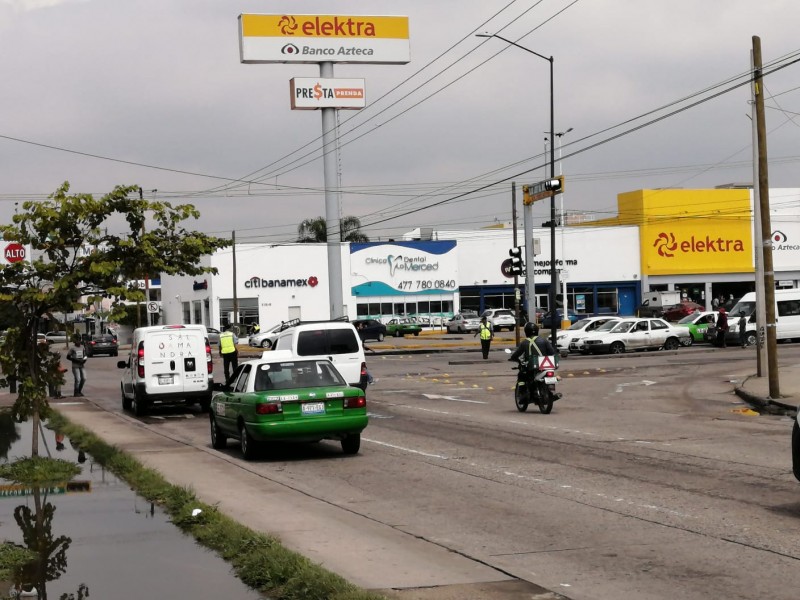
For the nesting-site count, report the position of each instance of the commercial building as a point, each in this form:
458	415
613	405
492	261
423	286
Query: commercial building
697	241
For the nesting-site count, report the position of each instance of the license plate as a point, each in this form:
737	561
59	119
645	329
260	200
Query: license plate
313	408
165	380
551	380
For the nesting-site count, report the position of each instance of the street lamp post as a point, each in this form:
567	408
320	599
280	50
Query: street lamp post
553	272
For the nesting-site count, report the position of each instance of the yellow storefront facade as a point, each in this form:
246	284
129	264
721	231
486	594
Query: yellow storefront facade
697	241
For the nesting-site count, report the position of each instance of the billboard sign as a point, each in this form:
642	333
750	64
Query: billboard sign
286	38
308	93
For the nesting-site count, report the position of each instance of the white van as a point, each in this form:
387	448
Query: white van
337	341
167	364
787	314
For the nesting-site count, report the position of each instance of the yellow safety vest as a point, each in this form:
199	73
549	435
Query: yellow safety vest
486	332
226	345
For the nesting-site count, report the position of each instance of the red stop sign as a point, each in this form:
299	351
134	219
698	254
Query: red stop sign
14	252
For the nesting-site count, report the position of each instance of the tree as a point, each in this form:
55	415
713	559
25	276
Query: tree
316	230
74	256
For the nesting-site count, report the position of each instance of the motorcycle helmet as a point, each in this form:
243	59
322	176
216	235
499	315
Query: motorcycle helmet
531	329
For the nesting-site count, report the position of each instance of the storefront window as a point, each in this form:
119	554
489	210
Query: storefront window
607	300
197	306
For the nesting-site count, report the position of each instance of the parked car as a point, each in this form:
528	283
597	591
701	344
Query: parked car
569	339
56	337
370	329
401	327
500	318
465	322
638	334
213	336
698	323
102	344
285	398
266	339
684	309
571	315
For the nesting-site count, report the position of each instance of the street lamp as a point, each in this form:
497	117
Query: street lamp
553	273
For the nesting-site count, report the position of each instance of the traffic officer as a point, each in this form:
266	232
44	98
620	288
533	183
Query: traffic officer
486	333
228	351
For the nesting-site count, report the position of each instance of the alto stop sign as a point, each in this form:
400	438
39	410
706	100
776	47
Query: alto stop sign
14	252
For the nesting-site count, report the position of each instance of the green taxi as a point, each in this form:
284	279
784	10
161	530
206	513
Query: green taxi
401	327
282	398
697	323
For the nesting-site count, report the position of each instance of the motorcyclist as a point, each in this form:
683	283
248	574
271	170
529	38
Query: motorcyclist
532	337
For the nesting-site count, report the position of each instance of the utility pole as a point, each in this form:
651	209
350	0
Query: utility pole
760	312
766	225
516	276
235	297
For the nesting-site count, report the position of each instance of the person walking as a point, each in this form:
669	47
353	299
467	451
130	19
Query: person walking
722	328
486	333
228	351
77	356
742	329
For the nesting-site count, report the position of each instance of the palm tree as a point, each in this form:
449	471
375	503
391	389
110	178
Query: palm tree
315	230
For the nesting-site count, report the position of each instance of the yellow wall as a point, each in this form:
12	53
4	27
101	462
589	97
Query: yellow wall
689	231
693	231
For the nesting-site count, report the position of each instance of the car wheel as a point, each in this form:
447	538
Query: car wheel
115	354
351	443
205	404
139	405
126	402
416	333
520	397
247	443
796	450
672	344
218	439
381	337
750	338
689	341
617	348
396	333
266	344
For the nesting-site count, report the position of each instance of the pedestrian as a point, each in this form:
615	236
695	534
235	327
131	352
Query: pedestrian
722	328
715	303
228	351
742	329
77	356
486	333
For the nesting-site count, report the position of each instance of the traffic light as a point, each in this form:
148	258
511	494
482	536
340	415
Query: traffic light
517	264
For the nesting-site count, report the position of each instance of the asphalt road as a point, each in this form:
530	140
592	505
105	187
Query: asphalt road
650	479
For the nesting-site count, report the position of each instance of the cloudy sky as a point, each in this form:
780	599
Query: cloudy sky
152	93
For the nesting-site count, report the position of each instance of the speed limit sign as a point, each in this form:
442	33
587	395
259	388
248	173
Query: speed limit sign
152	307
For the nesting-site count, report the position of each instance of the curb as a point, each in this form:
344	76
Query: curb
767	405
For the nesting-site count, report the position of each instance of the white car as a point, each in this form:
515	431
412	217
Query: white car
637	334
500	318
570	340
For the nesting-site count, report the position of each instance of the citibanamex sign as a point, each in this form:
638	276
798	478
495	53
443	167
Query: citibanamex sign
667	245
14	252
258	282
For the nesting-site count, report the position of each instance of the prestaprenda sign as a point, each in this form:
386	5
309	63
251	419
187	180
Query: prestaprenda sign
313	93
287	38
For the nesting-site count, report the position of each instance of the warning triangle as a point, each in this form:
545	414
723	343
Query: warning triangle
546	362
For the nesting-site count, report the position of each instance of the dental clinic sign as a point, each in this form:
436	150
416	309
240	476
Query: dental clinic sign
393	268
290	38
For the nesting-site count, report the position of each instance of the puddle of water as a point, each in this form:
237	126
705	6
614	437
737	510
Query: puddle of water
120	545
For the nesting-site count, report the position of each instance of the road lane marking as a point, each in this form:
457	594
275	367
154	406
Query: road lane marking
453	398
404	449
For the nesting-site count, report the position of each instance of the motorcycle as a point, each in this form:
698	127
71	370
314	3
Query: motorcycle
536	385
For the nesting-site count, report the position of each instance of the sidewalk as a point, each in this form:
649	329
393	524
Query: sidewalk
755	391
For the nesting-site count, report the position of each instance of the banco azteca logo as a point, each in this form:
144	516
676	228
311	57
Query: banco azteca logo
778	237
287	24
665	244
290	49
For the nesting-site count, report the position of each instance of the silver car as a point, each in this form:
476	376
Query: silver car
266	339
463	323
